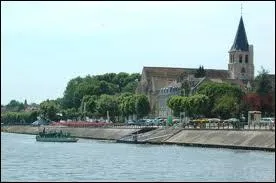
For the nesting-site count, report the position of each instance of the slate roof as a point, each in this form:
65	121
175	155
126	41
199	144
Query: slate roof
240	42
172	72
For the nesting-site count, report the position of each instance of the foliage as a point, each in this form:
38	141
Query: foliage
200	72
49	109
88	103
264	90
226	107
262	83
19	117
185	88
216	91
250	102
130	87
14	106
109	84
108	103
70	113
195	105
142	106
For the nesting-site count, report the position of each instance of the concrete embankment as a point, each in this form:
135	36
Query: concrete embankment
251	140
255	140
244	139
92	133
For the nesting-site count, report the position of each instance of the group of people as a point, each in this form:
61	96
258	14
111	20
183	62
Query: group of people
53	134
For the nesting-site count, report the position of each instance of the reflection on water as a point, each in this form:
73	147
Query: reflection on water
24	159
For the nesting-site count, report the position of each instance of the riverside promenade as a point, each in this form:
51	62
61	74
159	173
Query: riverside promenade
253	139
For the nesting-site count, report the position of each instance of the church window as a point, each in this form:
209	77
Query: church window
240	58
243	70
246	58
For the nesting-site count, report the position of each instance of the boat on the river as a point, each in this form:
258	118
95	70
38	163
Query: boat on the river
55	137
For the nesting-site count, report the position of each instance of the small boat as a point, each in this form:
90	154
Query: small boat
55	137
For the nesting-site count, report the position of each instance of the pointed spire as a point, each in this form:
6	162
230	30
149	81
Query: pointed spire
241	9
240	42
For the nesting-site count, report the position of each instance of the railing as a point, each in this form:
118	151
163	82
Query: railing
229	126
202	126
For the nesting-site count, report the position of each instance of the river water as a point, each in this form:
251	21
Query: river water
24	159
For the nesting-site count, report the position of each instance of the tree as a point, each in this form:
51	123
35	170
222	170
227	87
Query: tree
19	117
120	80
198	105
25	104
226	107
262	82
88	105
142	106
109	83
216	91
49	110
185	88
200	72
176	104
130	87
69	97
108	103
263	87
15	106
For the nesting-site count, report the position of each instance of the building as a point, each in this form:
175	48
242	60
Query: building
153	79
159	83
162	98
241	65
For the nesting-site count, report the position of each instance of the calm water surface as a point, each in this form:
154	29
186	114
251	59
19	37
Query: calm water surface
24	159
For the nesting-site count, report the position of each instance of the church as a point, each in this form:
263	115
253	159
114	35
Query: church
158	83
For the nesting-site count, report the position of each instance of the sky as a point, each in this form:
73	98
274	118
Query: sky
46	44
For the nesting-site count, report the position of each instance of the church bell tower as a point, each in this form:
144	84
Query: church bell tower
240	65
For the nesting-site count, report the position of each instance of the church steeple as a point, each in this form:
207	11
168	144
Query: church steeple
241	62
240	42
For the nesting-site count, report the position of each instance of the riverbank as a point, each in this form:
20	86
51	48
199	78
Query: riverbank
251	140
89	133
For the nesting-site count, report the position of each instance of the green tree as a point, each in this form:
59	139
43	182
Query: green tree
185	88
108	103
69	98
121	80
49	109
226	107
263	85
130	87
200	72
14	106
88	105
176	104
142	106
19	117
198	105
217	90
70	113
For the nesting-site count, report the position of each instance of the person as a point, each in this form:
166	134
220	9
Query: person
60	133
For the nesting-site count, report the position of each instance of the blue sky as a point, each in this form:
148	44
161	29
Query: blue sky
45	44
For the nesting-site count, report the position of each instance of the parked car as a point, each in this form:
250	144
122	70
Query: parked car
153	122
141	122
232	120
214	120
130	122
267	120
39	123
